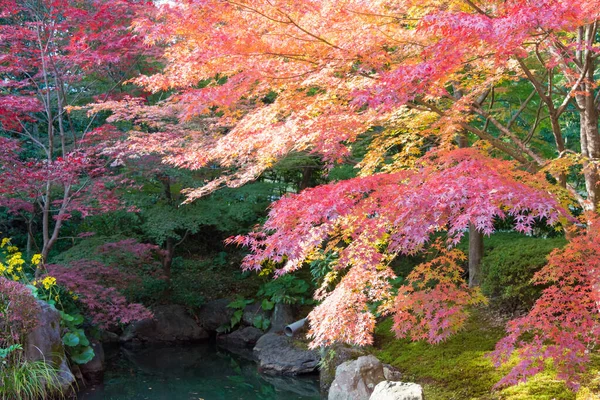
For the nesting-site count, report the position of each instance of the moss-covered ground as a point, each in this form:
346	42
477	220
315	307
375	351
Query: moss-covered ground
460	369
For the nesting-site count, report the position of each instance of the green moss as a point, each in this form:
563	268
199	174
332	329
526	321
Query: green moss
460	369
456	368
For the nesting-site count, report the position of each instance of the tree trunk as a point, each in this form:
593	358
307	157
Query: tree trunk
475	255
589	136
167	261
307	173
475	238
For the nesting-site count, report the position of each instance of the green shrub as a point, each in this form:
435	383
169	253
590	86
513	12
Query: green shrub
510	261
286	289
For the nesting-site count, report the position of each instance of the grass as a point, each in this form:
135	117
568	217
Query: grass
458	369
29	380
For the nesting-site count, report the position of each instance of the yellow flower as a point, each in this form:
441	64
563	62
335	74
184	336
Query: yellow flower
5	241
75	297
48	282
36	259
12	249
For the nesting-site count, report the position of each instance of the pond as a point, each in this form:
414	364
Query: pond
192	372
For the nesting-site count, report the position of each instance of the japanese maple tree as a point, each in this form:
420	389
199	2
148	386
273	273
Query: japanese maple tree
52	54
369	220
255	80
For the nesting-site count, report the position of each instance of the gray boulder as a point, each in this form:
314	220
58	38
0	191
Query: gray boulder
45	343
171	323
214	314
333	356
253	310
356	380
277	355
93	371
283	315
388	390
109	337
245	337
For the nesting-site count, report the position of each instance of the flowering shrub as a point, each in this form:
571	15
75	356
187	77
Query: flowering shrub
13	264
79	285
18	312
87	281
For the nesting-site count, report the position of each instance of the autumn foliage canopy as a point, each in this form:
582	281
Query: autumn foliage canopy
257	80
418	95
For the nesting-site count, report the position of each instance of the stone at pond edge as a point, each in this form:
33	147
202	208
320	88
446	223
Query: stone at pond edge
171	323
253	310
277	355
109	337
356	380
334	356
93	371
387	390
283	315
45	343
215	314
245	337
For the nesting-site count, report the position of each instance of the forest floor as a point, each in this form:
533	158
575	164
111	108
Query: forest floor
459	368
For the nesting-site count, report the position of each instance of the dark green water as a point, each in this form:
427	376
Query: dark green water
192	372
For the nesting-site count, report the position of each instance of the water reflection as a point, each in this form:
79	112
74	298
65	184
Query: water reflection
192	372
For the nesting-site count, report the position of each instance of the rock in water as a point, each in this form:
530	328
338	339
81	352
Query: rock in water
45	343
277	355
171	323
283	315
93	371
356	380
245	337
215	314
388	390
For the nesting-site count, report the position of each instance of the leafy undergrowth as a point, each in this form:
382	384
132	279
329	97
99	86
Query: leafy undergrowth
458	369
200	279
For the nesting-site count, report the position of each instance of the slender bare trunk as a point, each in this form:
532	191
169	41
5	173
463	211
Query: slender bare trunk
475	239
588	119
475	255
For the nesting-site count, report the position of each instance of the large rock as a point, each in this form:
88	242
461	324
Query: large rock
388	390
171	323
108	337
253	310
215	314
283	315
356	380
277	355
45	343
245	337
333	356
93	371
